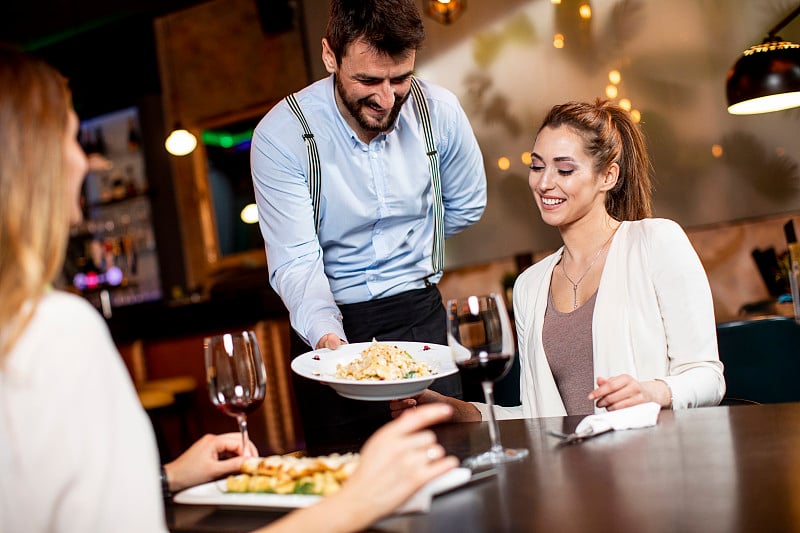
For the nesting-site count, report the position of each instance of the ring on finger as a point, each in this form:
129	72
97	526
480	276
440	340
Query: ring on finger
432	453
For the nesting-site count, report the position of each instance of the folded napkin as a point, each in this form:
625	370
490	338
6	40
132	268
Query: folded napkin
420	502
638	416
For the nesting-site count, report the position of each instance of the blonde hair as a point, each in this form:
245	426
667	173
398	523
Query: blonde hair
34	209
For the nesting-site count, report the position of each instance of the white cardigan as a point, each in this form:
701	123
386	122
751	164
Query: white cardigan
77	451
653	319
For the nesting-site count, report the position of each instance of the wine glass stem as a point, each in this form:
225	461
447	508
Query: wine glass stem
488	394
242	419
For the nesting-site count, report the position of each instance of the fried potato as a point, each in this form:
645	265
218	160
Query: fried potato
287	474
238	483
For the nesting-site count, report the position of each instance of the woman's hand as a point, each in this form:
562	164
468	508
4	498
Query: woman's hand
208	459
395	462
623	391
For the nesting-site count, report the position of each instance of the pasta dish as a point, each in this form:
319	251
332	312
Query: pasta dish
382	362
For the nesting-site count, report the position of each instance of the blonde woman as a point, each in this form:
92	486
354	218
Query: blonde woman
78	452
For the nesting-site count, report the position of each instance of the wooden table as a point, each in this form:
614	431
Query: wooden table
717	469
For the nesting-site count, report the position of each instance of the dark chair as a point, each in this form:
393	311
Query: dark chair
762	360
729	401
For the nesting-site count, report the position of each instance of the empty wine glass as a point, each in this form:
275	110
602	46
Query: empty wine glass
482	345
236	376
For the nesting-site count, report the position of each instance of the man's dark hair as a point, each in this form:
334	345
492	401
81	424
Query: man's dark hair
393	27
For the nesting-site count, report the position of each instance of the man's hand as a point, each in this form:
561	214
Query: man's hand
330	341
462	411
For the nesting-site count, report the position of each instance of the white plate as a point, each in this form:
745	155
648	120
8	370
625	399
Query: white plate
320	365
214	493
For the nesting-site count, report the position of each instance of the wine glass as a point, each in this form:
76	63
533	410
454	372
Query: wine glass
236	376
482	345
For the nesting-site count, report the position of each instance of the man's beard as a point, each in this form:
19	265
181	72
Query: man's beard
354	107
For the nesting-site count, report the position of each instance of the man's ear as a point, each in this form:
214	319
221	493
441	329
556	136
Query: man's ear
610	177
328	57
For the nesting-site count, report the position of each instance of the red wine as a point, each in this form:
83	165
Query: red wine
491	368
237	406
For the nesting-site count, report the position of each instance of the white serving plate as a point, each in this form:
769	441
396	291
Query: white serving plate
320	365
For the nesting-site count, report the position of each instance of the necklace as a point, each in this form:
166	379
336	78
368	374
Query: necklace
591	264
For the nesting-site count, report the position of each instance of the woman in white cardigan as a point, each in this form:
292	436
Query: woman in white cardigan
77	450
622	313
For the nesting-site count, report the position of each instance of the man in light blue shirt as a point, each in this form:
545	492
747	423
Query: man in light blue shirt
370	269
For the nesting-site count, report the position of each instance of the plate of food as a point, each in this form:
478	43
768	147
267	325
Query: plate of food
377	370
290	482
277	482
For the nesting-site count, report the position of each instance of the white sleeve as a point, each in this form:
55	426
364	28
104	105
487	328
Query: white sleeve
687	309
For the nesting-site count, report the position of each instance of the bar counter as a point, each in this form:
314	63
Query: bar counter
715	469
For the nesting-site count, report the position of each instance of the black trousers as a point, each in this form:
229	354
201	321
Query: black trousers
329	419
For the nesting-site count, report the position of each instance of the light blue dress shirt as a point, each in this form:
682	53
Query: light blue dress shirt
376	217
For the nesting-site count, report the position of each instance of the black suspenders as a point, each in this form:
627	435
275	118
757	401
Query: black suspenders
315	177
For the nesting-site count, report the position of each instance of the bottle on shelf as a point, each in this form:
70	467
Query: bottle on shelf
134	139
100	142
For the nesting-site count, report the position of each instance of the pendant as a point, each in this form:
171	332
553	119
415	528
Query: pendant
574	297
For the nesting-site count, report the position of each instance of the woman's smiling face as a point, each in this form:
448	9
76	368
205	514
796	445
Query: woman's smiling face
563	177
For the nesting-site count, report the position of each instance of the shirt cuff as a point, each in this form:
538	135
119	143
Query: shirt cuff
322	328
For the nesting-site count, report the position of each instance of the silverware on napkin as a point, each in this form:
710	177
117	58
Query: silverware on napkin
637	416
573	438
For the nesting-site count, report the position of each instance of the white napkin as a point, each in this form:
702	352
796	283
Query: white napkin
638	416
420	502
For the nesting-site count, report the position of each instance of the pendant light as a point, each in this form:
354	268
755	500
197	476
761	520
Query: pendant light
767	77
445	11
180	141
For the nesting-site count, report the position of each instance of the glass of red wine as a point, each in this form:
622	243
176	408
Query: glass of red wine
236	376
482	345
